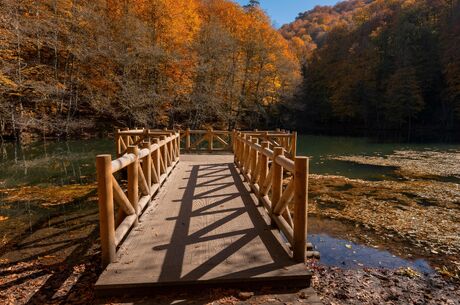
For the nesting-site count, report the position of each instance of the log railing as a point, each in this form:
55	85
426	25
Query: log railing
279	182
148	163
278	138
135	137
207	140
266	159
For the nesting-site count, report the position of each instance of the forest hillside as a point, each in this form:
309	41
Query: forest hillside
379	65
71	67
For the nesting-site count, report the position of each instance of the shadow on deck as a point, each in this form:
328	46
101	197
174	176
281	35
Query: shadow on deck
204	227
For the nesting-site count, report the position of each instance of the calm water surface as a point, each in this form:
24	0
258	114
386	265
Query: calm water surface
322	148
56	162
64	162
73	162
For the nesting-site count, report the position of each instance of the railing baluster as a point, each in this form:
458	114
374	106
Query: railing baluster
294	145
147	166
263	165
133	180
187	140
177	146
156	161
210	140
254	155
277	180
247	155
164	153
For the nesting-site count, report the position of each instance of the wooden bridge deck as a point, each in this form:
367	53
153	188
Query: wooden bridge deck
203	227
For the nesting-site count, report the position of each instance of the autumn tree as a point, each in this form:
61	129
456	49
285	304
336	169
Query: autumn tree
379	65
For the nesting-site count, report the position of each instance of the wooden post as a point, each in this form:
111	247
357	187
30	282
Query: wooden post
147	165
133	180
233	139
300	207
240	148
106	216
164	152
118	142
294	144
126	137
246	155
236	148
263	165
145	137
187	139
156	161
178	146
277	180
210	140
254	162
170	150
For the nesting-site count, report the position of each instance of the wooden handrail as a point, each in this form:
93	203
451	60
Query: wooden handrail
147	168
252	159
206	140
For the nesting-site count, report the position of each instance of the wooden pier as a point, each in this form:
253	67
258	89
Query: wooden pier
223	216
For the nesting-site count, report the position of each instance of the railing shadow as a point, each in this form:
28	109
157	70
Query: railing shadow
216	192
49	264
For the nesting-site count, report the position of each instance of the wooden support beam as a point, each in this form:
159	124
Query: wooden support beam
170	150
263	165
254	156
294	144
156	162
106	215
277	181
147	166
178	147
236	144
120	198
247	154
118	142
241	151
287	196
187	139
287	215
210	137
233	140
133	180
143	185
267	182
220	140
164	153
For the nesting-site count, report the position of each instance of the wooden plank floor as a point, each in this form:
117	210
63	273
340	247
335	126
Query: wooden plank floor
203	227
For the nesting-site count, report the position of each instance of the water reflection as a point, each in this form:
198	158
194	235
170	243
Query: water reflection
344	245
50	162
347	254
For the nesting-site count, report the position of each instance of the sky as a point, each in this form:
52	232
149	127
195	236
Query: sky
285	11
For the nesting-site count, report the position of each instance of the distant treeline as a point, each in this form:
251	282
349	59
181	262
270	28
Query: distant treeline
68	67
383	65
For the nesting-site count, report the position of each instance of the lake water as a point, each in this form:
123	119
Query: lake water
322	148
73	162
64	162
55	162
